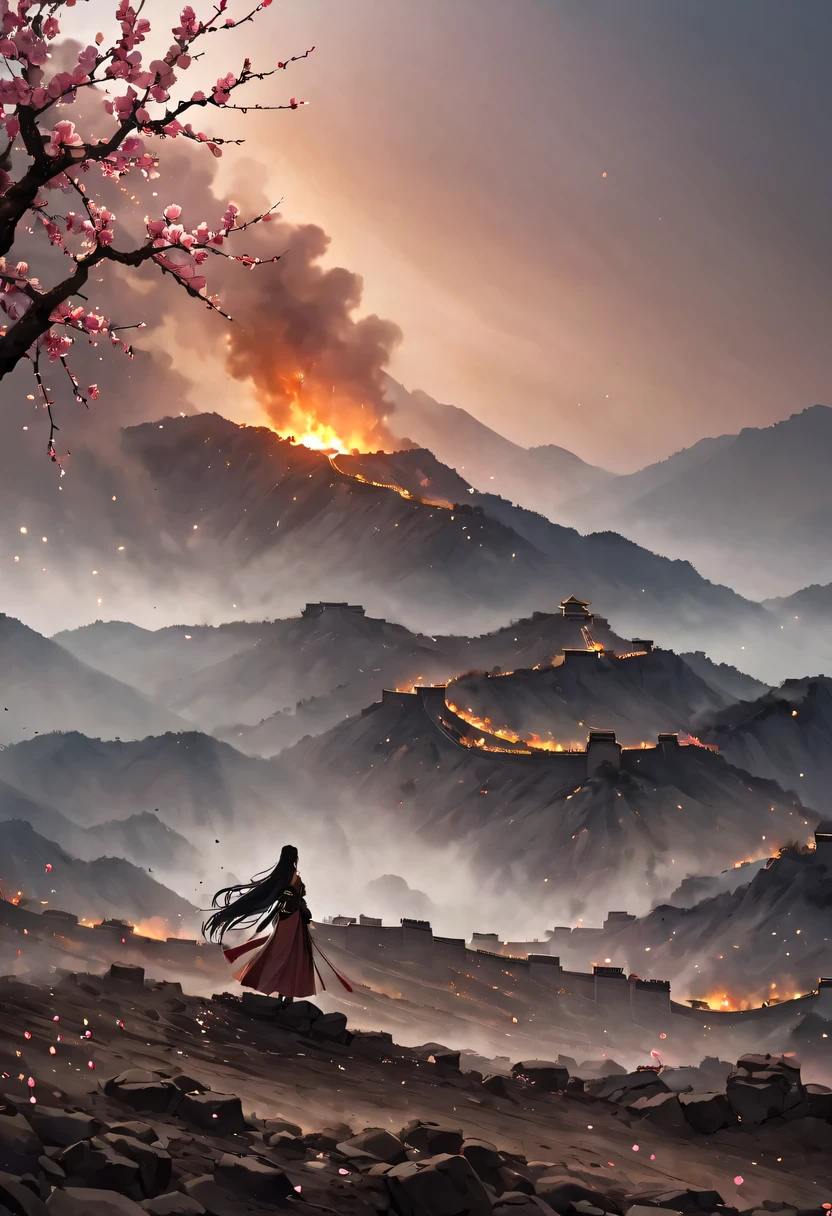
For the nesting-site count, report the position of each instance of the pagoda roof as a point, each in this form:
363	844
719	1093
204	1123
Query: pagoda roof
573	599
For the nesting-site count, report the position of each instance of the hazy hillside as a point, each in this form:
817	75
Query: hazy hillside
194	783
142	838
216	520
637	697
785	734
538	478
768	938
517	820
107	886
811	606
732	684
751	509
150	658
46	689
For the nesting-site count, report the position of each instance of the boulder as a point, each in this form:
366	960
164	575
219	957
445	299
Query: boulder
20	1147
514	1203
482	1154
300	1016
641	1209
706	1113
15	1196
632	1085
285	1144
256	1005
81	1201
51	1171
687	1201
62	1127
513	1183
663	1110
127	973
374	1145
499	1086
283	1125
136	1129
819	1102
545	1074
142	1090
252	1177
189	1084
432	1138
220	1114
97	1164
154	1163
438	1186
445	1059
330	1026
173	1204
757	1095
754	1063
562	1192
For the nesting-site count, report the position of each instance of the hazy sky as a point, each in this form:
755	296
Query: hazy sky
455	152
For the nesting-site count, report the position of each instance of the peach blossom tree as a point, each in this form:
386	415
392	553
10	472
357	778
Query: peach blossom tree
52	173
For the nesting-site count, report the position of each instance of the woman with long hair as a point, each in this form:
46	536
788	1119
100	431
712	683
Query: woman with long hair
282	960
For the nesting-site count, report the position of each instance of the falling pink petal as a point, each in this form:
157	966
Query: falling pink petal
739	1180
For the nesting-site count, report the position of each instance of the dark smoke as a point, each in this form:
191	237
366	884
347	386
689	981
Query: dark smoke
298	341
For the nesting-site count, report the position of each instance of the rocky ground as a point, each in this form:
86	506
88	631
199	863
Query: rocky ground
123	1096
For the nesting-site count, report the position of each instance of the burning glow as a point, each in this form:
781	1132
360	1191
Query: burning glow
155	927
303	423
504	732
687	740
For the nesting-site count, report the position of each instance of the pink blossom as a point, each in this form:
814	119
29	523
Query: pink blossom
198	96
63	135
12	126
215	151
93	392
163	70
51	27
172	212
223	87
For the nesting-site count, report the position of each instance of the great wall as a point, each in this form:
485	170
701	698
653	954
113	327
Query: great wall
410	968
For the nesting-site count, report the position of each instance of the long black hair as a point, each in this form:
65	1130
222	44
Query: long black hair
242	906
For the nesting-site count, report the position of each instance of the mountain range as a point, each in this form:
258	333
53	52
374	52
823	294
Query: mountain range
213	520
523	821
263	686
47	689
637	697
784	734
766	938
104	887
726	503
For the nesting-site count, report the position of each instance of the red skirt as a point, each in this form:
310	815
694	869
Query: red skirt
282	961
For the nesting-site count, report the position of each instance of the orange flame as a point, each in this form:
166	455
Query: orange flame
304	426
155	927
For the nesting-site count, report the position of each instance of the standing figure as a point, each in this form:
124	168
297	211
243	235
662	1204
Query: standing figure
281	961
